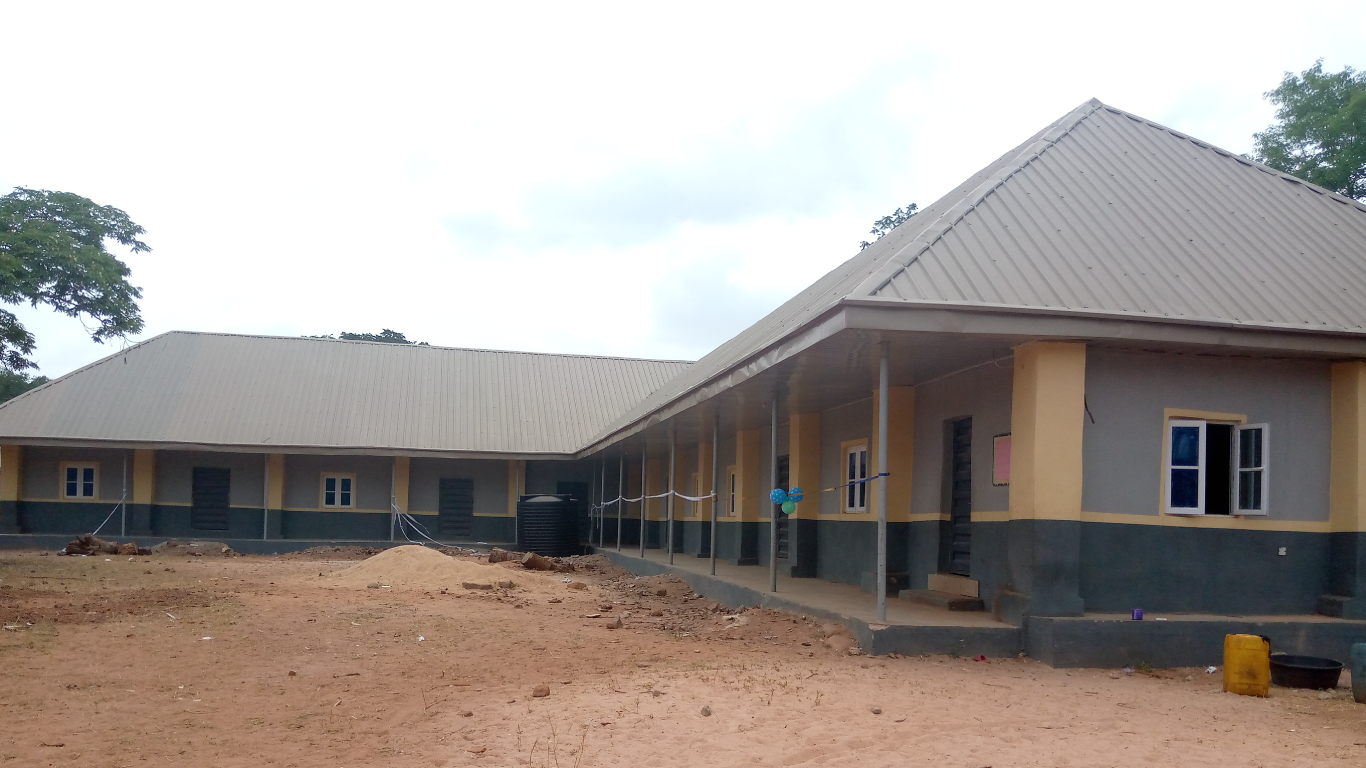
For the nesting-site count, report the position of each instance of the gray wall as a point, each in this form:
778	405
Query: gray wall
983	393
42	470
490	483
847	422
374	476
1127	392
174	476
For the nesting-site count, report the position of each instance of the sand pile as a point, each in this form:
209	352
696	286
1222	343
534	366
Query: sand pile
415	567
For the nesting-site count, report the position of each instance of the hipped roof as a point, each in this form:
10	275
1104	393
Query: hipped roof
1101	214
318	395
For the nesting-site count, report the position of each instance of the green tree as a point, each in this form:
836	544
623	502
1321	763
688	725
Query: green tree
385	336
888	223
1320	129
15	383
52	251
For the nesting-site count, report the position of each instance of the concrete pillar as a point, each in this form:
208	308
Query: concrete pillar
1044	550
144	492
11	486
804	471
1347	494
749	497
706	510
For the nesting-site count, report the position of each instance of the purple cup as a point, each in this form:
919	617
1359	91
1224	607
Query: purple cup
1138	614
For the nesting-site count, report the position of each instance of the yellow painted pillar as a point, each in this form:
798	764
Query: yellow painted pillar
275	495
144	476
516	484
1347	493
654	484
900	452
11	486
1044	541
706	510
804	462
747	480
1347	468
401	473
1047	413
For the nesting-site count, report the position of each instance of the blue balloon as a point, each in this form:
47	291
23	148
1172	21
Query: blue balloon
778	496
795	494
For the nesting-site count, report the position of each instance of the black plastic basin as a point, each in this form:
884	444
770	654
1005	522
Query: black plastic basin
1290	671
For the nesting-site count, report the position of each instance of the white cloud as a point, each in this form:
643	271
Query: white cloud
606	178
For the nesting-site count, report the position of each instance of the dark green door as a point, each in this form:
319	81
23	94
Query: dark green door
455	507
784	537
960	500
210	489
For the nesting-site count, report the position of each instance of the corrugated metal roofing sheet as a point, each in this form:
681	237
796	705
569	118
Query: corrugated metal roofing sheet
219	389
1101	212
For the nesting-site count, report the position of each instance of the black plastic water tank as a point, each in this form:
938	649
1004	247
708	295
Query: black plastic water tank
547	524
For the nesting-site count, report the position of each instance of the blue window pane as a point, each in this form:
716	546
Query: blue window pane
1250	448
346	485
72	482
329	492
1185	446
1250	490
1185	490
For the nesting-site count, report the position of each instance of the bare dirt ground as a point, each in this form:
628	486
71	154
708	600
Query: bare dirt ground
290	661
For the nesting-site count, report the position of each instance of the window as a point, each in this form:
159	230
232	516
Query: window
339	490
730	509
855	469
1216	468
79	481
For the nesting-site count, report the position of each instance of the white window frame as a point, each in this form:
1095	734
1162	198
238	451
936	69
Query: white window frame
79	466
859	453
341	479
1235	507
1167	468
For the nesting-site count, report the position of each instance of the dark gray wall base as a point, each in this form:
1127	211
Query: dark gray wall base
1072	642
494	530
1342	607
139	519
1347	564
9	517
963	641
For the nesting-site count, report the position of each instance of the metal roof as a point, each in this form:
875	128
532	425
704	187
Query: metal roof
263	392
1102	213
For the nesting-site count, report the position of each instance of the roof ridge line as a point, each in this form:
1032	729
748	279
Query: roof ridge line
415	346
930	235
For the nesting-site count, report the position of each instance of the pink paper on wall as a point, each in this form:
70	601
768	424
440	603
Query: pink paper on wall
1000	465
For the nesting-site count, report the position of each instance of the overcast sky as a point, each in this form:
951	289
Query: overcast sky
622	179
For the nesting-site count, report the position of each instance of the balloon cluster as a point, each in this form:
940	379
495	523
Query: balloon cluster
787	500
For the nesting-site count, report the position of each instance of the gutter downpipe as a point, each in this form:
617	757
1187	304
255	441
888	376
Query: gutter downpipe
773	510
882	486
673	448
716	491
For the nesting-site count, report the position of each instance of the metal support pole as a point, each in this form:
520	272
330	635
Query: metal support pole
602	502
621	492
882	486
773	509
644	483
393	496
673	448
715	489
592	514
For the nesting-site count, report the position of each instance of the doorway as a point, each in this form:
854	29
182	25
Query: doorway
960	498
455	507
210	492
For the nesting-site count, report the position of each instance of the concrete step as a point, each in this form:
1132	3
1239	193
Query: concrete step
945	600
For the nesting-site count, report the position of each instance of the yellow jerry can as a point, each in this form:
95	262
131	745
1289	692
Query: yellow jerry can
1247	665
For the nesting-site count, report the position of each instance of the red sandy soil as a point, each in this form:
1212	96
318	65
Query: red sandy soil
299	672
